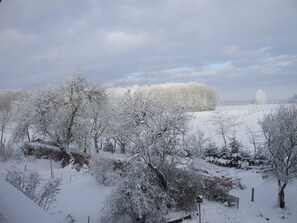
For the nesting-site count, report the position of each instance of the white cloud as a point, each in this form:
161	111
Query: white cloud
119	40
222	43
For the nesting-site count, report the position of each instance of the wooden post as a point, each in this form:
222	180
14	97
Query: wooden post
199	213
253	193
52	173
199	200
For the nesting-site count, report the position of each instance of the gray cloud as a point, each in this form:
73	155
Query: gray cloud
235	46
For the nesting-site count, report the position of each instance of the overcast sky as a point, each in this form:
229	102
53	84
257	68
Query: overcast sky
235	46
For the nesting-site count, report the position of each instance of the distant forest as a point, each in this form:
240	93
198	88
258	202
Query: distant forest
192	96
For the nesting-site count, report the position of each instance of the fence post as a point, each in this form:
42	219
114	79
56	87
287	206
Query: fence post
52	173
253	193
89	219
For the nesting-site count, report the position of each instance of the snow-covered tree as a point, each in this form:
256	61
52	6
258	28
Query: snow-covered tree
61	113
159	142
234	145
137	198
155	133
130	113
99	113
6	99
23	118
195	143
92	119
225	124
192	96
255	139
280	133
261	97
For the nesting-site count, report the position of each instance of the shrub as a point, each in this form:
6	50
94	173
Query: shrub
42	151
217	188
138	198
34	187
234	145
45	151
184	186
8	152
107	169
211	150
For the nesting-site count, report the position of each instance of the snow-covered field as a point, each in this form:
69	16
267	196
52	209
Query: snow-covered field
82	197
247	116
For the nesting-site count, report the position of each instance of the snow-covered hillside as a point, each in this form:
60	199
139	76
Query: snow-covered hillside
248	116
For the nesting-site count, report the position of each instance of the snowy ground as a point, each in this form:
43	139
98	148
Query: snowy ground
248	116
263	209
82	197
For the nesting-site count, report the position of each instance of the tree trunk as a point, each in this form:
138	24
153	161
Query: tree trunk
96	144
160	176
225	141
69	132
114	145
28	134
2	135
281	194
123	148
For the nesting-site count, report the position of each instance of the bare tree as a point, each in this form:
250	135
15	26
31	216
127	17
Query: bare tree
280	133
195	142
254	139
225	124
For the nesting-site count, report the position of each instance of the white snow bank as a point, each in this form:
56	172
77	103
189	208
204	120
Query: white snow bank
15	207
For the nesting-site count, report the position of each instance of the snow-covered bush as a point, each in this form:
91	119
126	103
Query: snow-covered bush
34	187
9	152
211	150
25	180
195	143
184	188
216	188
47	151
234	145
108	170
138	197
42	151
47	194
